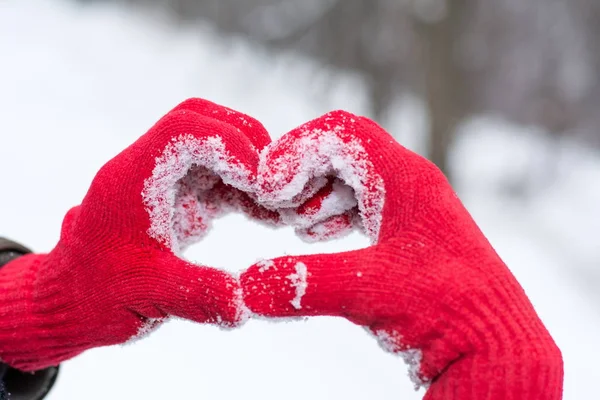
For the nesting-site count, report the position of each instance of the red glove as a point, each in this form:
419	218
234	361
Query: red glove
430	288
115	273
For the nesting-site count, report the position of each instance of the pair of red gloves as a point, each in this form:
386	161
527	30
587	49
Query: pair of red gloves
430	288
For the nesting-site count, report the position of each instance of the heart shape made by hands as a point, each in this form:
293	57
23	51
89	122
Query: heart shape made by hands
197	181
317	178
334	191
418	289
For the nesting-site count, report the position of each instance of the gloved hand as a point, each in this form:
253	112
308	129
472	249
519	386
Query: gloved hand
430	288
115	273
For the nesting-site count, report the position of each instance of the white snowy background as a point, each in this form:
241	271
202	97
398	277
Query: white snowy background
78	84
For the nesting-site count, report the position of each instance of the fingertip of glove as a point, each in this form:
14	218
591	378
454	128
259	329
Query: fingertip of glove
251	127
273	287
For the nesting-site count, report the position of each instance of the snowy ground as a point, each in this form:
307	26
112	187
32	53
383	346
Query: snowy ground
79	84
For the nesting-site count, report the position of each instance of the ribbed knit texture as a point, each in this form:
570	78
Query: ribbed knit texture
431	287
107	280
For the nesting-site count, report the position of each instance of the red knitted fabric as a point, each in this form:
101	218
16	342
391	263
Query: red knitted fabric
115	274
431	287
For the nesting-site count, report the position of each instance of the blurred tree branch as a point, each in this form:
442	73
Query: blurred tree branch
444	83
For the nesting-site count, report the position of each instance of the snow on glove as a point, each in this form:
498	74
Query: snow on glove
115	272
430	288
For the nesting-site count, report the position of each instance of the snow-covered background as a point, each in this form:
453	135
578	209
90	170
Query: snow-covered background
78	84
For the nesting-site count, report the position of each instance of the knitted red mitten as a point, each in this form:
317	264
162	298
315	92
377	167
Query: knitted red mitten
430	288
115	272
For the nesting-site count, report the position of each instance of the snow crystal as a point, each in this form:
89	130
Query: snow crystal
335	227
340	200
264	265
243	312
390	341
313	157
188	167
299	281
194	209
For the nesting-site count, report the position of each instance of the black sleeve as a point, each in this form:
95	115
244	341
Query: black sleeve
14	384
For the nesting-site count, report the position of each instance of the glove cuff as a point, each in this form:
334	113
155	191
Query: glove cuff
28	386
